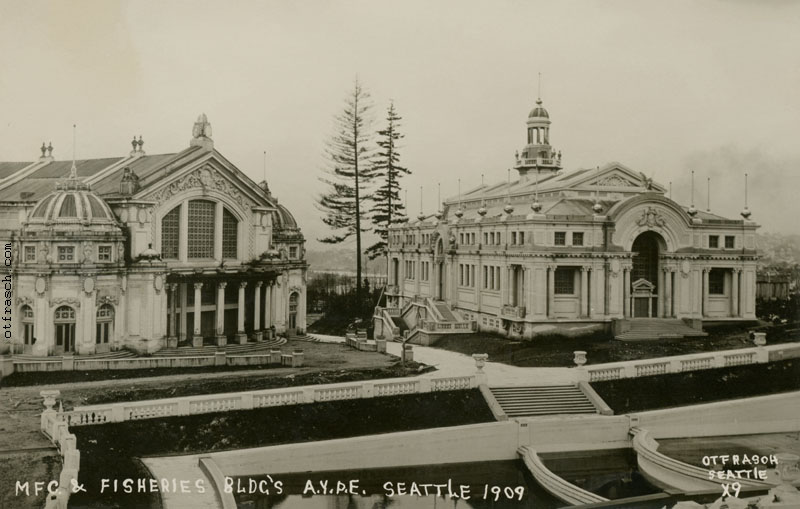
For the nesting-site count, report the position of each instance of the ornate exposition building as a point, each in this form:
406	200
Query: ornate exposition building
147	251
572	251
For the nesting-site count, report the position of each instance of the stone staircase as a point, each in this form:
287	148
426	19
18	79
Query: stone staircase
543	400
644	329
444	310
233	349
119	354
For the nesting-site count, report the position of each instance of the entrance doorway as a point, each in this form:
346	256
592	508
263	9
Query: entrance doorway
65	330
293	299
646	249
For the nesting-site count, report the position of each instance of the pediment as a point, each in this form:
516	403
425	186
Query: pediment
616	176
643	286
211	175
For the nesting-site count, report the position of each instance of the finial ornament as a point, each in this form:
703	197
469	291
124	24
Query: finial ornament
43	149
692	210
133	143
49	149
708	195
508	209
746	211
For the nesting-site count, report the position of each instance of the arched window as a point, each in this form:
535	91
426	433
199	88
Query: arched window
201	229
27	324
170	231
229	235
105	319
64	320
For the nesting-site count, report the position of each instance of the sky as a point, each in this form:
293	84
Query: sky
662	87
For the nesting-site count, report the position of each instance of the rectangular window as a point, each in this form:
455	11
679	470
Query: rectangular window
485	277
472	276
564	281
30	253
103	253
577	238
66	253
713	241
292	252
460	238
461	274
497	238
473	239
521	238
486	238
716	282
514	238
730	241
560	239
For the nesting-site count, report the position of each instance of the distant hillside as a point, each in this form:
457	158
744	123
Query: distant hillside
342	259
778	249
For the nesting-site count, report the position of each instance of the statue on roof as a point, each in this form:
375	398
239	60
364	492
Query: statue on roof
202	128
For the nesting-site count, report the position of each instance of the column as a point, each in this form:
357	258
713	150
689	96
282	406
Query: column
551	291
660	306
183	240
268	307
735	292
626	292
668	293
705	291
241	336
584	307
172	340
197	339
182	295
257	313
221	339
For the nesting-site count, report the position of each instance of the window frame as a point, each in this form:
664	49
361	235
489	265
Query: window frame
578	239
560	238
561	287
732	239
713	241
110	254
67	249
716	282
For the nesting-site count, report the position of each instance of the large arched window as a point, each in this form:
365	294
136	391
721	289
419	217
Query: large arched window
229	234
201	229
64	320
105	319
170	232
27	324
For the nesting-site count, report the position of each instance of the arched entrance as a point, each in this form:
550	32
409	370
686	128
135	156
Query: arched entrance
644	276
64	321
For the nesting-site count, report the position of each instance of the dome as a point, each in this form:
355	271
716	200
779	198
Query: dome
72	203
285	218
538	111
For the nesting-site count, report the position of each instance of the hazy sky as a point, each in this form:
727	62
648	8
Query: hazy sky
663	87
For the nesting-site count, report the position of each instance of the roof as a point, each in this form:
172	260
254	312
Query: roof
7	169
538	111
43	181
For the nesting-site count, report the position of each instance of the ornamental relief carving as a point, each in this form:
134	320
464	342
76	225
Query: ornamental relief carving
108	299
59	301
207	179
24	301
614	181
651	217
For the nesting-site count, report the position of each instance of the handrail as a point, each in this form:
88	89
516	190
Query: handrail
683	476
555	485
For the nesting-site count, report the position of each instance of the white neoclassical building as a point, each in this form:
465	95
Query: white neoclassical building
572	251
147	251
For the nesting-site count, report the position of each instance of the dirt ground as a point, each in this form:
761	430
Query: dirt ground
26	454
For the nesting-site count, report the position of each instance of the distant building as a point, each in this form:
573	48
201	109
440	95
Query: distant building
147	251
572	251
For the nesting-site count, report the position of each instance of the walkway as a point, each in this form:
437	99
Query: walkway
181	468
455	364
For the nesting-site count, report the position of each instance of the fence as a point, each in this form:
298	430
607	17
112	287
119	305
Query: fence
194	405
690	362
219	358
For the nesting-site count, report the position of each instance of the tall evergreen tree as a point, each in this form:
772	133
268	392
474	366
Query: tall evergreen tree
348	175
387	209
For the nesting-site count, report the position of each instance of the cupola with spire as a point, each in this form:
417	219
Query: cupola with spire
538	156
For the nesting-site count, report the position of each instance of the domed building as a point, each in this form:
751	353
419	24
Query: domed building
145	252
569	252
